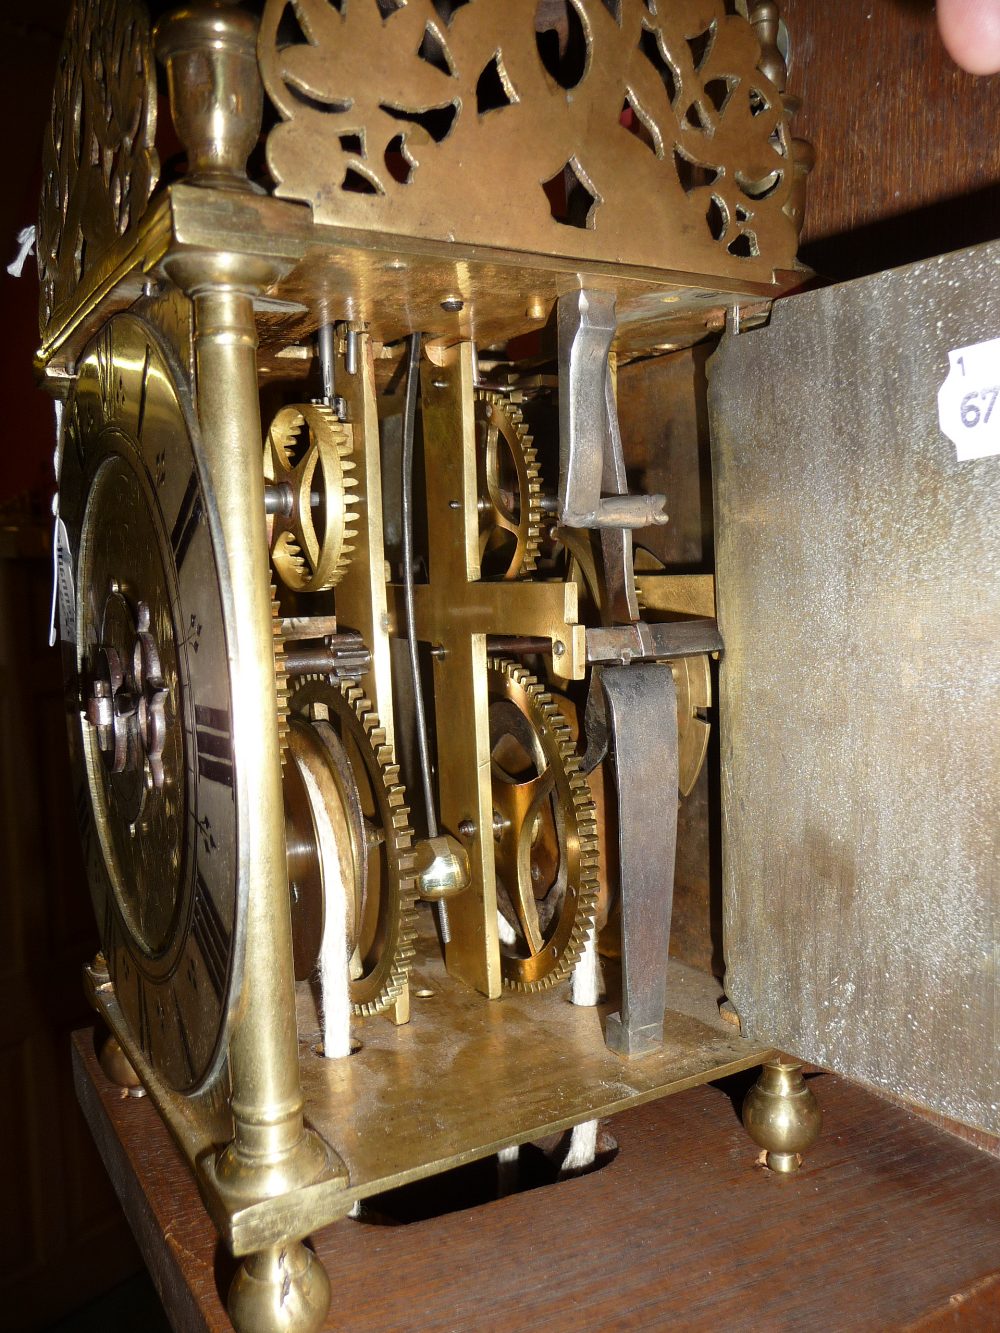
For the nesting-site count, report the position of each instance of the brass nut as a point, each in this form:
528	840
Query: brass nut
442	866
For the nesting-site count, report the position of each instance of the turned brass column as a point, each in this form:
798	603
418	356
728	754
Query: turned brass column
266	1101
216	98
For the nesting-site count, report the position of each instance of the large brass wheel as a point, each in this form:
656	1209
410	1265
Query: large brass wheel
544	830
348	825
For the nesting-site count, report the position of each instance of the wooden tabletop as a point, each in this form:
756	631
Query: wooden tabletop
892	1223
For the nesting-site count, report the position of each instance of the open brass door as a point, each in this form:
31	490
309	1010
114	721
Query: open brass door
858	576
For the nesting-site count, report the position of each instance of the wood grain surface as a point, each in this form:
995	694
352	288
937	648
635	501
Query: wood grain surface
907	150
891	1224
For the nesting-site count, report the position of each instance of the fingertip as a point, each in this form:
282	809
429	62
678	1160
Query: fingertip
970	30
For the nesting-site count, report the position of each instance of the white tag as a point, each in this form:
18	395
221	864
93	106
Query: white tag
26	247
969	400
60	539
63	586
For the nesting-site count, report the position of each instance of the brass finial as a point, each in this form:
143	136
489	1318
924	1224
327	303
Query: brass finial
281	1289
216	98
765	20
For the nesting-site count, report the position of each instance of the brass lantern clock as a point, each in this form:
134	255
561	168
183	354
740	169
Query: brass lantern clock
368	676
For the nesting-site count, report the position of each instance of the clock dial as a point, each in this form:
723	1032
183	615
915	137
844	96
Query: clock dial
149	702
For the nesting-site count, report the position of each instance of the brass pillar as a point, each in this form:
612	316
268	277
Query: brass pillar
216	106
267	1101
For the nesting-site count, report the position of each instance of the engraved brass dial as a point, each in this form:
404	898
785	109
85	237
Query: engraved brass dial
145	652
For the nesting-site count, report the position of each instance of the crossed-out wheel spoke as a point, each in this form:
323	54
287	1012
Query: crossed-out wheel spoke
348	825
544	830
510	489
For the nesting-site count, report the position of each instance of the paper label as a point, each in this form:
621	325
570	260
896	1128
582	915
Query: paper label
969	400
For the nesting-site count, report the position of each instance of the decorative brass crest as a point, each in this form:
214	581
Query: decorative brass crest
98	159
634	131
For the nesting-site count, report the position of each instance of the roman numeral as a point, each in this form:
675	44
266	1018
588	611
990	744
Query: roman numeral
111	383
187	520
74	431
85	821
215	744
105	369
142	394
107	939
211	937
145	1033
182	1032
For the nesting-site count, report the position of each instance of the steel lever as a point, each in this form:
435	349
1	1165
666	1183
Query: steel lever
593	491
660	642
641	735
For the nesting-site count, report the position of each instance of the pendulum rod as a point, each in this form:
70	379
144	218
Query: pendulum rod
423	748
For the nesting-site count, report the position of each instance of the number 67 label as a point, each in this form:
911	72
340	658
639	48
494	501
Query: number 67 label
969	400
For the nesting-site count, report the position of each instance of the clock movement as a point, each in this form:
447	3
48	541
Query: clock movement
379	705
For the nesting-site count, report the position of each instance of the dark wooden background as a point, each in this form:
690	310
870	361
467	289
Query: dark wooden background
907	144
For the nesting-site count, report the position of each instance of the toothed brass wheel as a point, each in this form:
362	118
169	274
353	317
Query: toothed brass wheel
544	830
510	490
347	823
307	460
280	674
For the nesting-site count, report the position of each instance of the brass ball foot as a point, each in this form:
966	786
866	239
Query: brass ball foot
782	1115
117	1066
283	1289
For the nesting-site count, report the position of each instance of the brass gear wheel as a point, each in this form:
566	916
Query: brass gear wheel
340	760
510	489
280	674
307	453
545	832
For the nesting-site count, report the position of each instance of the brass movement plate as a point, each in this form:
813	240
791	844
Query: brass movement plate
393	284
463	1079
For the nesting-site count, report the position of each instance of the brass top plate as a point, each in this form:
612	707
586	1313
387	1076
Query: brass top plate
391	284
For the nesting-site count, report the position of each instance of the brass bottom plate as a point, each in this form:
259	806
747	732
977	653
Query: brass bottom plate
466	1077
